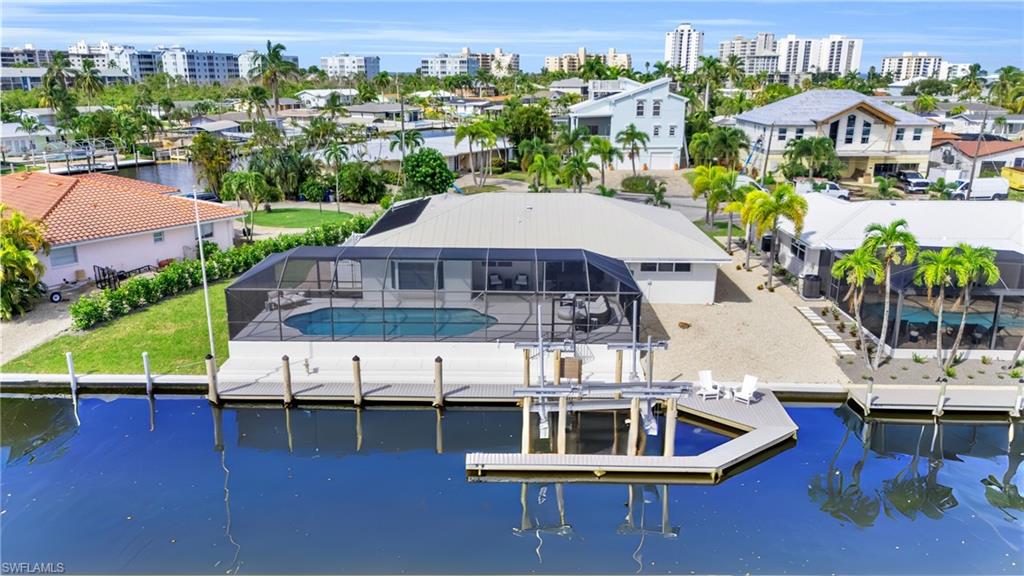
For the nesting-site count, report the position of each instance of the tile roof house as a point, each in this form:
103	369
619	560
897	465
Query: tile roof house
987	157
110	221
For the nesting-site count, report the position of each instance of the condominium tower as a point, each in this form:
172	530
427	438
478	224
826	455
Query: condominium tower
683	46
834	54
347	65
248	62
910	65
758	54
573	62
198	67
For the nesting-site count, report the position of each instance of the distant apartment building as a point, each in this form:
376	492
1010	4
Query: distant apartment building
910	65
444	65
759	53
833	54
498	63
198	67
951	71
27	55
248	61
683	46
137	64
573	62
29	77
348	66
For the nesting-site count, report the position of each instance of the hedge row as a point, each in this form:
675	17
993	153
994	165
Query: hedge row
183	275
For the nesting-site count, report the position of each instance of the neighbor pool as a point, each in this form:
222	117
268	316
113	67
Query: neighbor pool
390	322
371	493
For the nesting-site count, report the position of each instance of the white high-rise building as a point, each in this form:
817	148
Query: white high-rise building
247	62
910	65
347	65
198	67
834	54
682	47
504	63
444	65
759	53
951	71
28	55
620	59
105	56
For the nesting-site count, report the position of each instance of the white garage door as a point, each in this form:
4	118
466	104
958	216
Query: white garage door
662	161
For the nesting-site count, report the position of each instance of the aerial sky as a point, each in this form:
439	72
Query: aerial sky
988	32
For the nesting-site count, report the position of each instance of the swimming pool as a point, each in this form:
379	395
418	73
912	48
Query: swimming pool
375	492
390	322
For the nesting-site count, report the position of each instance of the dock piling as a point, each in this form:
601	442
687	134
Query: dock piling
438	383
527	401
650	362
558	367
940	403
671	414
563	417
148	374
72	379
211	380
526	367
634	425
286	378
618	366
357	381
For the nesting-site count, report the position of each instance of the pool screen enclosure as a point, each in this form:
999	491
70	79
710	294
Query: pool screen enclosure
369	293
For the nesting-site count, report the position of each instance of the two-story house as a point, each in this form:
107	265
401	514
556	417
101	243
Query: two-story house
651	107
871	138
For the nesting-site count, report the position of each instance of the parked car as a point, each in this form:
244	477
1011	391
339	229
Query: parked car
995	188
742	180
826	187
205	196
912	182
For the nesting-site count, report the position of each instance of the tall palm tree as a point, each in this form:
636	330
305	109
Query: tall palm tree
336	154
937	269
272	68
632	139
766	209
576	171
726	143
856	268
727	191
1001	92
733	69
710	73
475	133
250	186
88	80
543	168
972	83
605	151
529	148
30	125
703	178
413	140
570	142
896	245
977	266
700	148
255	101
319	132
334	107
924	103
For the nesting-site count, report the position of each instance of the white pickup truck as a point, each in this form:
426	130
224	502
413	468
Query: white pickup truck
826	187
996	188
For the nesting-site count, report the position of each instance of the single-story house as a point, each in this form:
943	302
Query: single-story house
439	95
48	116
101	220
15	140
473	107
219	127
570	86
833	228
317	98
987	157
384	111
969	116
379	149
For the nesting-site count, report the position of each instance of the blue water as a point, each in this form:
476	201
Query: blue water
390	322
115	496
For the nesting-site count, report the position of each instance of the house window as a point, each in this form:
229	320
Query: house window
798	249
799	133
782	134
917	135
656	108
865	132
414	275
899	134
63	256
158	237
657	129
640	107
851	126
648	267
206	230
682	266
672	130
664	267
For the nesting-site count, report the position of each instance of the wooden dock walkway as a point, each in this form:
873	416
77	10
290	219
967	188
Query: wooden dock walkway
954	399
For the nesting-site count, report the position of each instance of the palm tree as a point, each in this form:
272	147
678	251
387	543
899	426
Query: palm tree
319	132
250	186
733	69
336	154
1010	78
21	239
924	103
605	151
576	171
543	168
272	68
30	125
978	266
88	80
632	139
937	269
814	152
700	148
724	189
726	143
255	100
656	190
709	73
941	189
570	142
703	178
896	245
856	268
886	190
529	148
662	69
972	83
767	208
413	140
474	133
334	107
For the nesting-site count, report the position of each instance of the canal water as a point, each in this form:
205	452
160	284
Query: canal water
181	175
133	491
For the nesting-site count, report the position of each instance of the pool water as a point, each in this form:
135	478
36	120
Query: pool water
135	490
390	322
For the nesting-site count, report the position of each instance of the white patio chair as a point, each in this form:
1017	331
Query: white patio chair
709	389
747	390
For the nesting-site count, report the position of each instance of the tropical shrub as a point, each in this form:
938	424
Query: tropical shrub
360	182
638	184
20	269
427	170
183	275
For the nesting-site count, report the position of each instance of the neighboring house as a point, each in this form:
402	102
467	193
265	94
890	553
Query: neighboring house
833	228
652	108
218	127
457	155
318	98
1012	126
48	116
970	118
114	222
571	86
871	138
991	157
14	140
468	108
384	111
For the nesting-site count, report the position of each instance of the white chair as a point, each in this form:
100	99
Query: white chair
522	282
708	388
747	390
495	282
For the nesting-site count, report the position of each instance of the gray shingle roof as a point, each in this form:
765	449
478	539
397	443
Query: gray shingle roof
814	106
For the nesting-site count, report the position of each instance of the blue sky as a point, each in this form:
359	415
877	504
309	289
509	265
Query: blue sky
990	32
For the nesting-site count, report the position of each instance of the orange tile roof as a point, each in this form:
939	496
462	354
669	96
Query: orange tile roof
970	147
940	136
94	206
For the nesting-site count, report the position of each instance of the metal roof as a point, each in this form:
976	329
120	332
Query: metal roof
815	106
616	228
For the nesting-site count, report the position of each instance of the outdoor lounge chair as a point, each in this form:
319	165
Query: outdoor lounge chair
708	388
522	281
495	282
747	390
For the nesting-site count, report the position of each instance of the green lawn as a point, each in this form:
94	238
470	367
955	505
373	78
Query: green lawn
300	217
484	188
524	177
173	332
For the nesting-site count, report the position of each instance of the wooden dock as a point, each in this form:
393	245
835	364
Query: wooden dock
759	427
937	400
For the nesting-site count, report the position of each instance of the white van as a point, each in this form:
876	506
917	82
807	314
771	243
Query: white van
742	180
995	188
826	187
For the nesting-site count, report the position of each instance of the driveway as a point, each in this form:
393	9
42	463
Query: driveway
42	324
